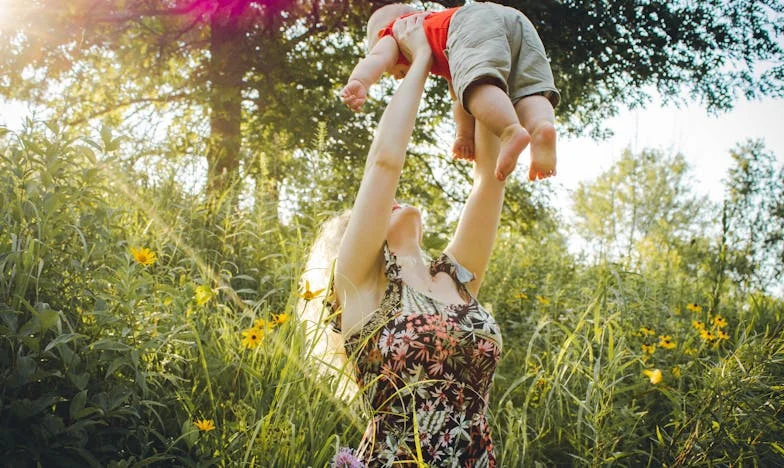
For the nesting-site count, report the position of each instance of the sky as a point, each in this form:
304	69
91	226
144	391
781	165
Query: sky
704	140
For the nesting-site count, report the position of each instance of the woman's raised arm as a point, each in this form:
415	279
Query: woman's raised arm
472	243
362	244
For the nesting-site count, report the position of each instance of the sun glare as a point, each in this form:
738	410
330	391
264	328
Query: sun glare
5	10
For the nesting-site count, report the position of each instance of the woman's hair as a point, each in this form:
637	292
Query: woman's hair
381	17
325	345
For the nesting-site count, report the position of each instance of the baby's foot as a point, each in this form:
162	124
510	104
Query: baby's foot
463	147
542	152
514	139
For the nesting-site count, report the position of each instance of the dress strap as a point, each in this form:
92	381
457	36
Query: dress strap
450	266
391	267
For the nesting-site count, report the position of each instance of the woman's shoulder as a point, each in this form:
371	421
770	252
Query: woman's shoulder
447	263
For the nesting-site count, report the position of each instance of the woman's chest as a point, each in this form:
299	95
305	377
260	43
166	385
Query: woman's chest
461	342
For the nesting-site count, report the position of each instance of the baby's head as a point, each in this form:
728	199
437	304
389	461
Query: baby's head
381	17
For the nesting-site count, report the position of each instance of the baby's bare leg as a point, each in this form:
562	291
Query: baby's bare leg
490	105
537	116
464	133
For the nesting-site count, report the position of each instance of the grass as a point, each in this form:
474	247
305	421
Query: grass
109	362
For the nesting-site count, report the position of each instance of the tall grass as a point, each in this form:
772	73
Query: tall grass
105	361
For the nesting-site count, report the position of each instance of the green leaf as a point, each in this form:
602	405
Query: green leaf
77	404
79	380
87	153
106	136
86	412
30	327
116	364
47	317
110	345
93	144
244	277
190	434
25	368
62	339
777	447
114	144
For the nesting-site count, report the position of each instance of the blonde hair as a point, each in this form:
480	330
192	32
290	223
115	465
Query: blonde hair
325	346
381	17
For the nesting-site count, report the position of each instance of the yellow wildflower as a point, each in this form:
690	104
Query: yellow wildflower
696	308
698	325
722	335
542	300
648	349
665	341
719	321
280	319
521	295
707	335
205	425
654	375
203	294
691	351
261	325
252	337
143	255
309	295
647	331
676	371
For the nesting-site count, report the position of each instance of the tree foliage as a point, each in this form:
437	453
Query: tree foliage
753	216
245	84
644	197
611	53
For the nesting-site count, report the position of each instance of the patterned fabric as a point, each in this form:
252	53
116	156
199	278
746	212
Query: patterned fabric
426	368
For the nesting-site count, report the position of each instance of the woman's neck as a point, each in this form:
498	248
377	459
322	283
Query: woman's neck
413	267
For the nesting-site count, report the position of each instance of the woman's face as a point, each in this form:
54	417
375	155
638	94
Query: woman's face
405	225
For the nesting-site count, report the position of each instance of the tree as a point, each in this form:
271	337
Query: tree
233	80
644	197
753	216
610	53
195	61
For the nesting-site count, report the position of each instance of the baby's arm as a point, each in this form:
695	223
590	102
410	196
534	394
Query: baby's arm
368	71
463	147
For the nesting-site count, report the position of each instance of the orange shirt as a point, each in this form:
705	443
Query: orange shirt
436	26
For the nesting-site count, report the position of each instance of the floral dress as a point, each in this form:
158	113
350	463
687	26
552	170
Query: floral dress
426	368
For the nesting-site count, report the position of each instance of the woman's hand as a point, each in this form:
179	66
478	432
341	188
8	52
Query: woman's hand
410	36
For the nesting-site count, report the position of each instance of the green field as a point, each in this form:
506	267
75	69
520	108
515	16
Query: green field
128	310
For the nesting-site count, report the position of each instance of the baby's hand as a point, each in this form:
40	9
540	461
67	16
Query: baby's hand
354	95
463	148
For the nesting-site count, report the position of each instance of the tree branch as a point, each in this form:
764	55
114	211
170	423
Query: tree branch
162	99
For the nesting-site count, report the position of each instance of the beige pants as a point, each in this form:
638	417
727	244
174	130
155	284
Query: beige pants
498	44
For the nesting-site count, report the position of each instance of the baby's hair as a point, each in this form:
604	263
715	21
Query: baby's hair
381	17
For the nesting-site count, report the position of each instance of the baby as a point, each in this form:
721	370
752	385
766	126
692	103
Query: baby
497	72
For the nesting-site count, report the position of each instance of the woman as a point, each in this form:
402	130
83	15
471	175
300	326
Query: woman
424	349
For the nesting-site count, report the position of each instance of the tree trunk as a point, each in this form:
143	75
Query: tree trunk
227	69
